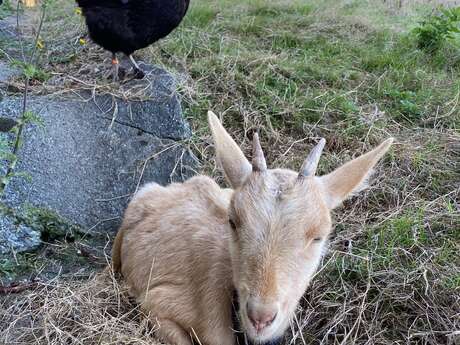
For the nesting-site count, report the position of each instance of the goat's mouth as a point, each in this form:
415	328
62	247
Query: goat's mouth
264	335
258	329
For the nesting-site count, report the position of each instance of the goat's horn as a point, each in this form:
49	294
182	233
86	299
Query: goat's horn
258	158
311	163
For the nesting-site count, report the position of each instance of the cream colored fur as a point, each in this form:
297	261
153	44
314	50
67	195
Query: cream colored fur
182	259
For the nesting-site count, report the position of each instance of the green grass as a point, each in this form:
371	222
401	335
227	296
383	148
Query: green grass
277	57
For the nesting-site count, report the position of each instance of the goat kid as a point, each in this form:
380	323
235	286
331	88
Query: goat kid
185	248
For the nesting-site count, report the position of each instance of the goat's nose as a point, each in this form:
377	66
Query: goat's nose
261	315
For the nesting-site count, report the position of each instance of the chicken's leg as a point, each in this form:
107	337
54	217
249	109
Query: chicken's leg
138	73
115	66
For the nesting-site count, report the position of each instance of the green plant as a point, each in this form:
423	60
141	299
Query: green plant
438	28
404	102
9	156
30	72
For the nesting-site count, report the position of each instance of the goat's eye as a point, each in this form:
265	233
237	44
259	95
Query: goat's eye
232	224
317	239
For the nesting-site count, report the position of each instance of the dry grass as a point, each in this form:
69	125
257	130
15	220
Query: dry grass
344	70
93	311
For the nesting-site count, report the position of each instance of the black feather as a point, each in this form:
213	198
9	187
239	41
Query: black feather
128	25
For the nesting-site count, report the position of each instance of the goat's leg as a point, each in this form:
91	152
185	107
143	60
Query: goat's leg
171	333
220	336
157	303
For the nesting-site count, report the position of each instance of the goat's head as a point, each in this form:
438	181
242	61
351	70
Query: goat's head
280	222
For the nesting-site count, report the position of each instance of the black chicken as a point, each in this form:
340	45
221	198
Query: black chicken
128	25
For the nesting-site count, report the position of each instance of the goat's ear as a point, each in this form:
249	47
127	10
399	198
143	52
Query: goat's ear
351	177
232	160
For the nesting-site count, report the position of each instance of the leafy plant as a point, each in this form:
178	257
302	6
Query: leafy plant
438	28
31	71
405	102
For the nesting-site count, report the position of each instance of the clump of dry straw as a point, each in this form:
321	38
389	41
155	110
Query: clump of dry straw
95	311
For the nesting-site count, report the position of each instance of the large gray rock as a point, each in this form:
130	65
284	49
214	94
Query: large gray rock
6	72
90	156
157	109
9	38
8	28
17	237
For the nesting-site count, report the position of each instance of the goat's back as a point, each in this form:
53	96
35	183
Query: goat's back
175	239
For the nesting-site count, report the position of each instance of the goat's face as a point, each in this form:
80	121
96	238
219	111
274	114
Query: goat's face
280	221
280	225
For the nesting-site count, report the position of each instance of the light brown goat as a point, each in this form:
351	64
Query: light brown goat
184	249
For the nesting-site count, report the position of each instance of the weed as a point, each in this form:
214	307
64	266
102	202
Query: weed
405	103
437	29
31	71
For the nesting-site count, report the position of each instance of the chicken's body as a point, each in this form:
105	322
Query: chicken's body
124	26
